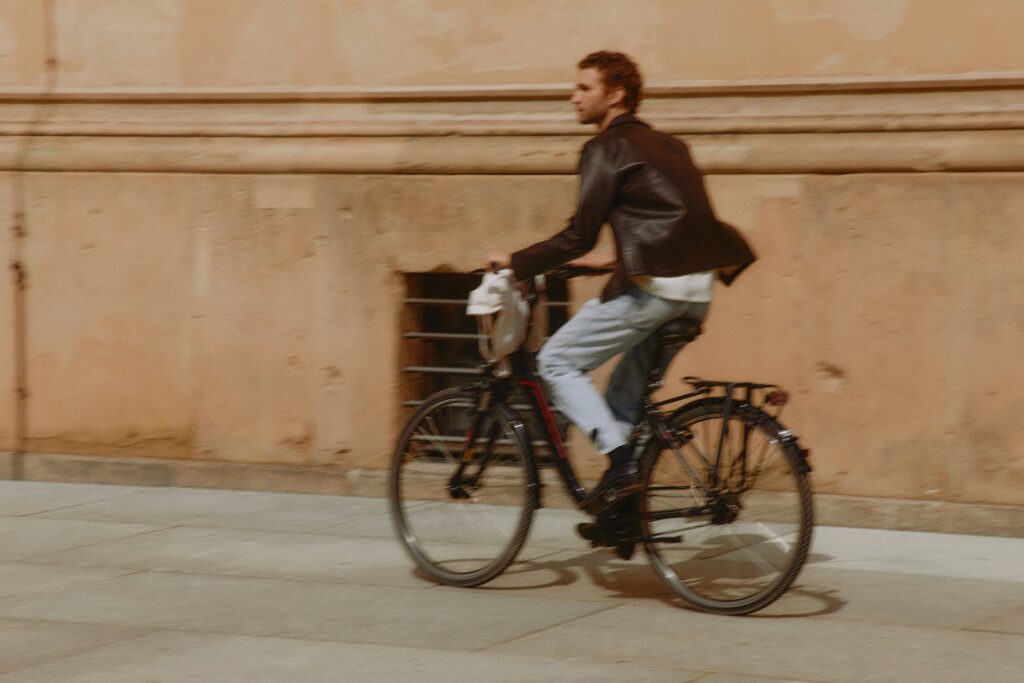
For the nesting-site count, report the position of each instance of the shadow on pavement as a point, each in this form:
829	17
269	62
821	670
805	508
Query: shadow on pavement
636	579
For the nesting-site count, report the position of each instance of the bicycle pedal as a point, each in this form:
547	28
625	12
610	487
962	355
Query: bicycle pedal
665	539
620	493
625	550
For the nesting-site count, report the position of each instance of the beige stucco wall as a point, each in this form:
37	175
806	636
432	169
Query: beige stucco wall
197	43
220	200
891	304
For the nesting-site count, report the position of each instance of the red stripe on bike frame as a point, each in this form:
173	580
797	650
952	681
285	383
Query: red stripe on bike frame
549	419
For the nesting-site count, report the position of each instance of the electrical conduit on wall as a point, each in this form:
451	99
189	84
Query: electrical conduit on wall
19	228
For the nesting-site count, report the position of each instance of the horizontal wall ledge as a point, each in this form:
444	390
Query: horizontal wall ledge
426	125
975	151
988	104
505	91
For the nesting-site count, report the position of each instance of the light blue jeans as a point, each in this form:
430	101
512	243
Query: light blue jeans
597	333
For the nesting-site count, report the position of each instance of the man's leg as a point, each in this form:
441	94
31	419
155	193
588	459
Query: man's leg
599	331
629	379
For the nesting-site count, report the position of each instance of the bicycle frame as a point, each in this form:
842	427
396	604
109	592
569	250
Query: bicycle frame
656	418
707	458
495	390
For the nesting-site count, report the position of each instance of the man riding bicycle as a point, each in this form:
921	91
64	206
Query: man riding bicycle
669	246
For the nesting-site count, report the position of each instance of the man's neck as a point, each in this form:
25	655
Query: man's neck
612	114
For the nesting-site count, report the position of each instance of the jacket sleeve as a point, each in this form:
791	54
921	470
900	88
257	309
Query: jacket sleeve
598	186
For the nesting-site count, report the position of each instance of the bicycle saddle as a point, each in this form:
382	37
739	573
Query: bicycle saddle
678	331
670	337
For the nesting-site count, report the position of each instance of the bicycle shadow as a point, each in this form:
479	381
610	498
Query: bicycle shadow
635	579
627	579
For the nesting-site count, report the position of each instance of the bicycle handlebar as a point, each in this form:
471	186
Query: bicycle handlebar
561	272
568	272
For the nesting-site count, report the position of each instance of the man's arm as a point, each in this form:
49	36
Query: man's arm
598	185
596	260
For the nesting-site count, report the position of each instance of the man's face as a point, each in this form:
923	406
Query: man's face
590	97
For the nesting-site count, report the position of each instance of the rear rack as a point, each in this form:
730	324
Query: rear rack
698	383
772	394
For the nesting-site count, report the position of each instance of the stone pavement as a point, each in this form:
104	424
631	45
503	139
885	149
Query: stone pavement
128	584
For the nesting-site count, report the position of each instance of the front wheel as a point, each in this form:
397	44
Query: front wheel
729	539
462	503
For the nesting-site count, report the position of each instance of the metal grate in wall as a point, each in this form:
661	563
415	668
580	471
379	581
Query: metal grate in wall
439	341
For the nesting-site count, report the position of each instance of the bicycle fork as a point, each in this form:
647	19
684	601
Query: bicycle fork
457	485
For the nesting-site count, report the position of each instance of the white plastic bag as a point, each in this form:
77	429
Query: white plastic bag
501	313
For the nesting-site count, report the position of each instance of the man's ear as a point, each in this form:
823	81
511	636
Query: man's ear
617	97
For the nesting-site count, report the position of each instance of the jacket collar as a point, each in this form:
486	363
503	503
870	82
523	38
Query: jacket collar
625	118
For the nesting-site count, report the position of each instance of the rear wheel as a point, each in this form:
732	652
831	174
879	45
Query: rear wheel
734	541
462	530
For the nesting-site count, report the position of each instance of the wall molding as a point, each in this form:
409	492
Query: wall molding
862	84
324	115
821	153
971	123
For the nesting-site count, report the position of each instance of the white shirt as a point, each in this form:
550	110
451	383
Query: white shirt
695	287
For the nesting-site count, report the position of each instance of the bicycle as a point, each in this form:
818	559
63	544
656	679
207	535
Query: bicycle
725	512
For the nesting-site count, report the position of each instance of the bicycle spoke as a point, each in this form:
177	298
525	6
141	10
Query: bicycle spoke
476	523
745	546
434	435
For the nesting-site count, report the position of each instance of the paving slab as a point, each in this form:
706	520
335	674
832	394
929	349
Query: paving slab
898	599
1011	620
26	537
31	497
168	656
743	678
921	553
27	643
788	648
592	574
18	579
226	509
554	529
240	552
557	529
458	620
126	584
371	526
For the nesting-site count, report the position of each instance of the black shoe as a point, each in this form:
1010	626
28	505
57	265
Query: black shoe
617	483
592	532
600	537
625	550
603	531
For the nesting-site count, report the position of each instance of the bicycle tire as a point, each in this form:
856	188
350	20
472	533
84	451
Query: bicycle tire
463	541
746	551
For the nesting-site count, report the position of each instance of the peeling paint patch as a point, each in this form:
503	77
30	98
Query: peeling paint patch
831	377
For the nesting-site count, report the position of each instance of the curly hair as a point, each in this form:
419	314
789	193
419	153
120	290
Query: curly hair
617	71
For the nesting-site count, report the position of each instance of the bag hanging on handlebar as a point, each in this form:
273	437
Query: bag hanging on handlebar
503	316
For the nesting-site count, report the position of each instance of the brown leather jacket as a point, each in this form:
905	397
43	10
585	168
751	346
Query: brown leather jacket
646	185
